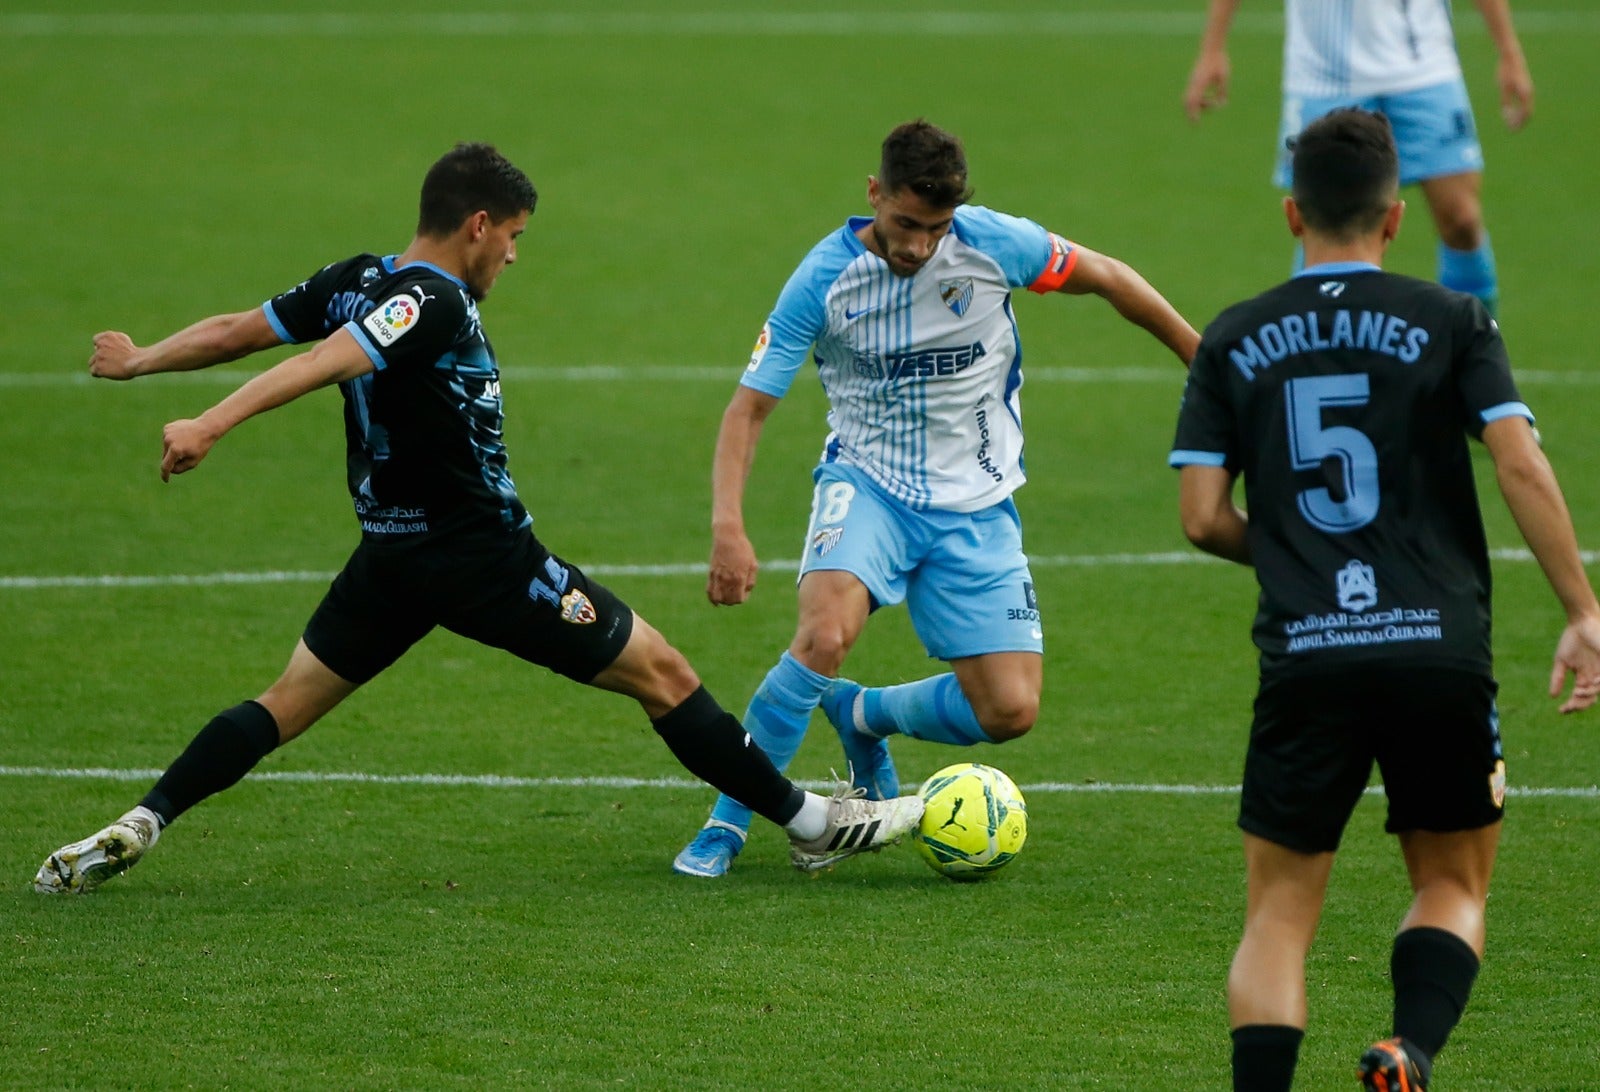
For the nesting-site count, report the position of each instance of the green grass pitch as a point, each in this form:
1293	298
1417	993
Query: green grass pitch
395	932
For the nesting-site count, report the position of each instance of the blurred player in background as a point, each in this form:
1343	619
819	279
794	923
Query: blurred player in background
908	315
1344	398
445	539
1397	57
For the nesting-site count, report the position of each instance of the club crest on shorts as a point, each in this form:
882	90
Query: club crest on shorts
957	294
1497	784
826	539
577	609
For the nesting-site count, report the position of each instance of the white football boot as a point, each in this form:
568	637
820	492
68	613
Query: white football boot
855	825
83	866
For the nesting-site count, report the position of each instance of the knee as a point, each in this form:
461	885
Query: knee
1460	224
822	648
1009	718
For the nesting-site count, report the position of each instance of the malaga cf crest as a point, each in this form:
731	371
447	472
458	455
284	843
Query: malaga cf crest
826	539
957	294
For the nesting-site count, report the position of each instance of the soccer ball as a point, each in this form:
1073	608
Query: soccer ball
975	822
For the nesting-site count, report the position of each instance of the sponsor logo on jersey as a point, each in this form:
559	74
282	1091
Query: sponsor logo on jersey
760	349
826	539
920	364
1332	289
390	321
1357	586
957	294
576	608
1497	783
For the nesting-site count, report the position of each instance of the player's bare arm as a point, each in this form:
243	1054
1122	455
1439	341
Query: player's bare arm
1120	285
1210	518
1511	72
184	443
1534	498
1208	81
213	340
732	576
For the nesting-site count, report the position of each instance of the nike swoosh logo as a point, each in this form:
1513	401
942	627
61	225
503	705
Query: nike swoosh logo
1036	634
850	316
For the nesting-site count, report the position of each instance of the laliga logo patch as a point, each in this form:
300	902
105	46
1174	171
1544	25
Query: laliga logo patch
826	539
1497	784
761	348
576	608
957	294
388	322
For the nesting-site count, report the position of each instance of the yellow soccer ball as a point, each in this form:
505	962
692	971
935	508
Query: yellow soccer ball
975	822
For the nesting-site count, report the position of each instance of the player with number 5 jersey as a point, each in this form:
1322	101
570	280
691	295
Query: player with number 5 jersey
1345	399
908	316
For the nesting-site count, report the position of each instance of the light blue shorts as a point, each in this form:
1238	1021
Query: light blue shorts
962	575
1433	129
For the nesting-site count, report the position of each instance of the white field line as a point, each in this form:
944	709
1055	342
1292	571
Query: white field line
706	373
685	568
763	24
496	781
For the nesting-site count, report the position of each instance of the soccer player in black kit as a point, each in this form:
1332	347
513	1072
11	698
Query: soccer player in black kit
445	539
1344	398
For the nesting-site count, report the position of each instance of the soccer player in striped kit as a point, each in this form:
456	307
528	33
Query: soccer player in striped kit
908	315
1397	57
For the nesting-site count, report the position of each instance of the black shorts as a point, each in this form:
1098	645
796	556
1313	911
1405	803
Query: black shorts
1433	732
506	591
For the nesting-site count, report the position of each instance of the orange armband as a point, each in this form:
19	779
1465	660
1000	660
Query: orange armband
1063	256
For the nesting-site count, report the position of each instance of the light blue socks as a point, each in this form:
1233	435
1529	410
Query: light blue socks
776	719
934	709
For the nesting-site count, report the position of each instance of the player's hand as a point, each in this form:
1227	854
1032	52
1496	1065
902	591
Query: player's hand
113	355
733	570
1208	85
1516	92
1578	656
183	445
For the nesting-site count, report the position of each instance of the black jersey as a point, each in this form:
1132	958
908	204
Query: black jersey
1344	397
423	432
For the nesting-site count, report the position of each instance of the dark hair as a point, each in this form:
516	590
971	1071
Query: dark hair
926	160
470	178
1346	172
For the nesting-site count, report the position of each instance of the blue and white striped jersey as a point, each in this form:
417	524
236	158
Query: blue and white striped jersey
1334	48
922	373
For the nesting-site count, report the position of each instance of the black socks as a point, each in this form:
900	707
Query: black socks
1433	970
1264	1057
712	744
225	750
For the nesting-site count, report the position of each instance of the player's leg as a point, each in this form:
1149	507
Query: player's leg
1266	981
355	629
854	561
1445	780
1437	139
714	746
833	610
1466	258
1437	951
226	749
972	602
548	612
1305	769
